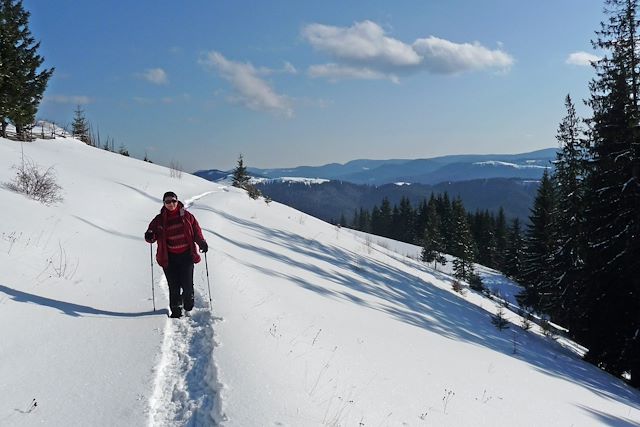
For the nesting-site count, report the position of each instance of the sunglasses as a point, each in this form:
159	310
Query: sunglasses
170	201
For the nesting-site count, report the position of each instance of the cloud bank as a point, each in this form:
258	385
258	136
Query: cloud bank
250	89
582	59
364	51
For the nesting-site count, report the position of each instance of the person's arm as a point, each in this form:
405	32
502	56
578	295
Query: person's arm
198	237
151	235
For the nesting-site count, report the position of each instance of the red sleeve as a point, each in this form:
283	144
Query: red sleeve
153	226
197	231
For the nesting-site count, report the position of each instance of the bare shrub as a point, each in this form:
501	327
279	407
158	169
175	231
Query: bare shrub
175	169
526	321
457	287
35	183
252	191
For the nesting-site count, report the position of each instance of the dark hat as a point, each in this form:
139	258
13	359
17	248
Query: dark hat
169	194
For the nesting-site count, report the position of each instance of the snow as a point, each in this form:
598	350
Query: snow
294	179
310	324
510	165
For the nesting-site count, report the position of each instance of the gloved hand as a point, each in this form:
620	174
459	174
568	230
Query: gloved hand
204	247
150	236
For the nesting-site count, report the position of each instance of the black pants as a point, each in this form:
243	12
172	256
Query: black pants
179	275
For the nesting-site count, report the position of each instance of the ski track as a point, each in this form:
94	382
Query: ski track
186	390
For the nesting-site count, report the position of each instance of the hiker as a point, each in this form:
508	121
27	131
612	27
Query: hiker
177	231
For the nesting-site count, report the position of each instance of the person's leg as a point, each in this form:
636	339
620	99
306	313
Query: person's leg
172	273
186	282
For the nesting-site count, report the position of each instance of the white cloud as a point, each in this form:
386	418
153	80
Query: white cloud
68	99
582	59
442	56
364	42
155	75
334	72
251	90
365	51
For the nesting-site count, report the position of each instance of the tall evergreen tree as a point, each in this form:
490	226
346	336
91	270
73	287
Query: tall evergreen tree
433	242
22	84
405	220
382	219
535	275
501	240
567	260
483	229
610	327
446	220
462	242
514	250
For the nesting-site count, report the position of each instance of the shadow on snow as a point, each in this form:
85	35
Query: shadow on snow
410	299
70	309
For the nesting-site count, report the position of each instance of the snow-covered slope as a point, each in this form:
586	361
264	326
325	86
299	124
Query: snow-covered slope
311	324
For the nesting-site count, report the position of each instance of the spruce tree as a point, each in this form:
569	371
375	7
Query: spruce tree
462	243
405	220
240	175
80	126
446	220
500	235
567	261
514	250
22	84
610	325
535	275
384	225
433	243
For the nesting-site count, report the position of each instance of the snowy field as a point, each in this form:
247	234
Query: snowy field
311	324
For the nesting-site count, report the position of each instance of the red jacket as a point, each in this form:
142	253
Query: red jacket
192	232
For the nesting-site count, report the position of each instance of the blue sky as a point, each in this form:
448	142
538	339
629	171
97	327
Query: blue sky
289	83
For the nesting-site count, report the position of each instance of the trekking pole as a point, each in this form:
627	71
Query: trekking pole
206	263
153	290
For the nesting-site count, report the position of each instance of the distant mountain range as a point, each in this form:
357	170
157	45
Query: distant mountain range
424	171
483	181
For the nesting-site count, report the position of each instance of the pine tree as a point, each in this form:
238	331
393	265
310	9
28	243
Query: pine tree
446	220
483	229
405	220
21	85
433	242
240	175
501	240
567	261
382	219
364	220
80	126
462	243
610	324
539	246
514	251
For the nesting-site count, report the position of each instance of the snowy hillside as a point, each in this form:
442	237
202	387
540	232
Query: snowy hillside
311	325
